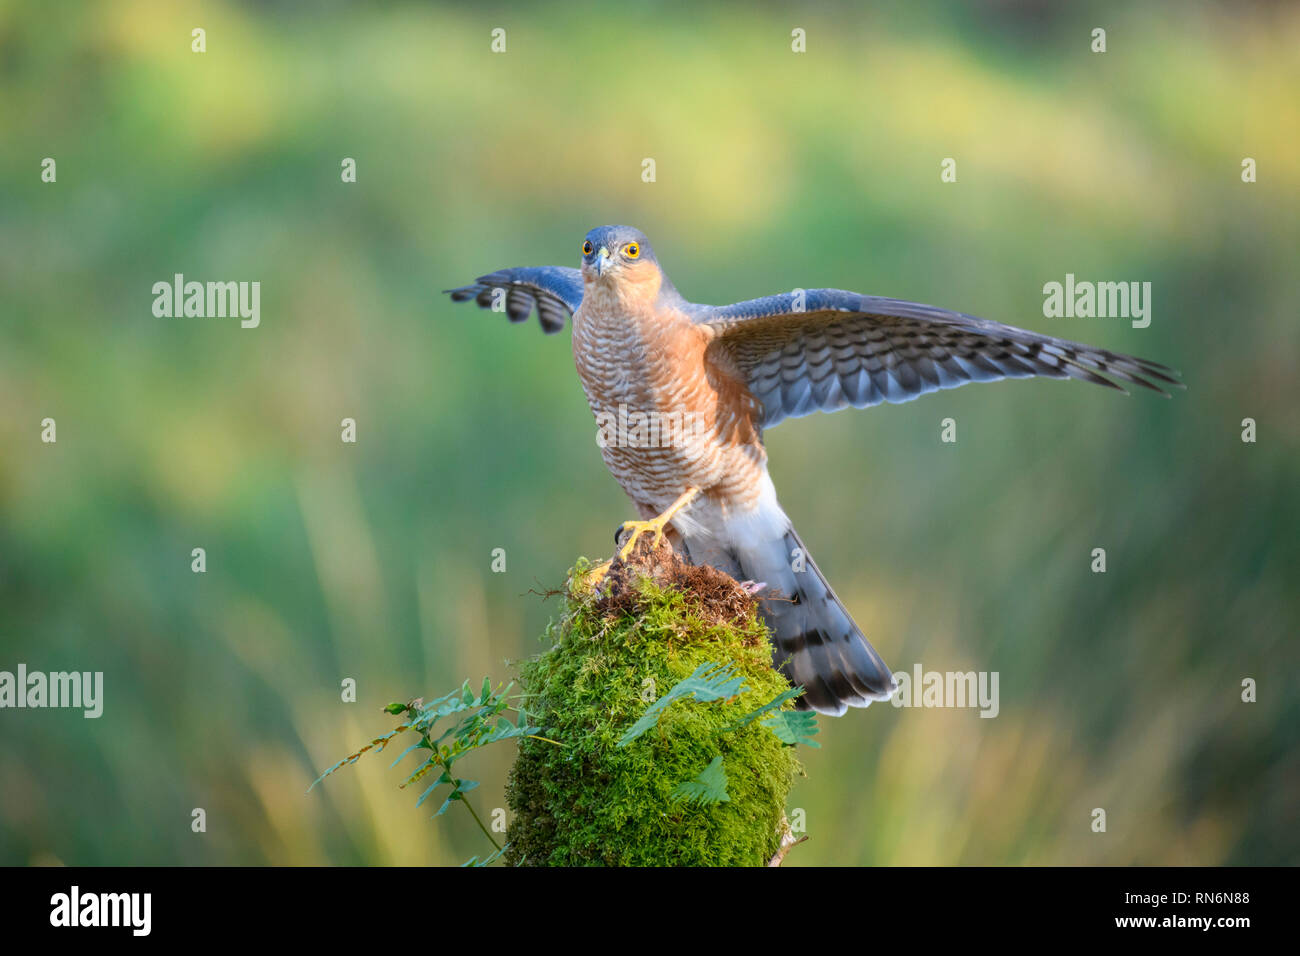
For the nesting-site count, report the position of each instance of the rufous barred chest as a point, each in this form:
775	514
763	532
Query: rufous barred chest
630	351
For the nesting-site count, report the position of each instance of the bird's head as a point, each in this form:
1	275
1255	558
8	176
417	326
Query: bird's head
618	255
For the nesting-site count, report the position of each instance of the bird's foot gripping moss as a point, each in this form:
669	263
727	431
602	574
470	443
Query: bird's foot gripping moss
655	687
630	538
655	526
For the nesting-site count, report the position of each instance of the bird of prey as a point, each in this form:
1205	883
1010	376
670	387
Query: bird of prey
641	349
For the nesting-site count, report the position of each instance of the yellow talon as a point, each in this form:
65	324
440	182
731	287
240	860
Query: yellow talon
594	575
656	525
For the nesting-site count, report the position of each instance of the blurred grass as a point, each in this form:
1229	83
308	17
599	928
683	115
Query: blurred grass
774	170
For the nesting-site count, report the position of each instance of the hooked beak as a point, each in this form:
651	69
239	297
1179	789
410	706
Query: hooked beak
602	263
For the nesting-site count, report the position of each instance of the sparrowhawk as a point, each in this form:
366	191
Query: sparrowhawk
645	353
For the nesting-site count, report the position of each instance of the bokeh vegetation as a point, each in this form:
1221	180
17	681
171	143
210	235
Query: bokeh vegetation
372	561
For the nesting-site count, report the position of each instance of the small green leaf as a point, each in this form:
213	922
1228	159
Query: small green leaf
771	705
709	682
709	786
425	796
433	705
378	742
420	772
455	794
415	746
794	727
487	860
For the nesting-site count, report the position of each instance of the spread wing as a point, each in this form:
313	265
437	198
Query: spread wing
555	291
831	349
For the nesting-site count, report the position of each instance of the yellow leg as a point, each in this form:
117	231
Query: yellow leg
596	574
656	525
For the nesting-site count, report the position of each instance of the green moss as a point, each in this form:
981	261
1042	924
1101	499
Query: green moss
590	802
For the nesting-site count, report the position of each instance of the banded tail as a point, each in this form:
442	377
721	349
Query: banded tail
816	644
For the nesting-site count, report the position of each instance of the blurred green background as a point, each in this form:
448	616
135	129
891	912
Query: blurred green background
774	170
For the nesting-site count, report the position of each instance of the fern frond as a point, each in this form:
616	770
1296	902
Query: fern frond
709	682
709	785
794	727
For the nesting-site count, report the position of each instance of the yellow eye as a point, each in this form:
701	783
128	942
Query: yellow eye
586	248
632	250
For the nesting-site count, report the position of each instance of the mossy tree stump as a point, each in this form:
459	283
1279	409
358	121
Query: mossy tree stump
584	800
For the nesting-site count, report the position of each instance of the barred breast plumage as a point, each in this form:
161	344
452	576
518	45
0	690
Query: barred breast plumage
634	359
